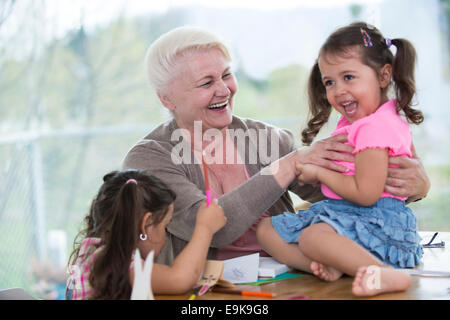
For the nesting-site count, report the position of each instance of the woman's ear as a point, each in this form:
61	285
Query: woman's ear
385	75
165	100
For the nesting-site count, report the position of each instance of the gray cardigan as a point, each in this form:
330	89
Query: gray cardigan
242	206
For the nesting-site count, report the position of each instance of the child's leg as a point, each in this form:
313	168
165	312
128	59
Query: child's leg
321	243
286	253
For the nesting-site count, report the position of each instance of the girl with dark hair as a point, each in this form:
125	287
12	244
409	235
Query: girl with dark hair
360	230
132	210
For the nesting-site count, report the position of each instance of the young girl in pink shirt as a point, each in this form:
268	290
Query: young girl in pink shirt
360	230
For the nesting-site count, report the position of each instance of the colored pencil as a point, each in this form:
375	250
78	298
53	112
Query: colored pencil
207	189
244	292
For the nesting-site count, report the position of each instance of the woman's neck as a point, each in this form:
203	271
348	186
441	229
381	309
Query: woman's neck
201	138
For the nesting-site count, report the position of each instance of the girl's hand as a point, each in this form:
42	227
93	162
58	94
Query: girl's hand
307	174
322	152
212	217
409	179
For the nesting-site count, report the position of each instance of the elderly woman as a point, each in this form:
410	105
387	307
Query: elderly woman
189	69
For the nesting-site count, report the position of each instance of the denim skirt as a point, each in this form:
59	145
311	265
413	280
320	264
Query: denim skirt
388	229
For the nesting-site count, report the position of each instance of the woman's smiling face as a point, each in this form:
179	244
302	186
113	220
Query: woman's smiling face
202	89
353	88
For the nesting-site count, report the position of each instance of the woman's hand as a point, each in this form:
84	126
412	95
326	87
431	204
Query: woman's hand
322	152
409	179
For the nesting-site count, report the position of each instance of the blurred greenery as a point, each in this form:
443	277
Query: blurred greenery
445	10
83	99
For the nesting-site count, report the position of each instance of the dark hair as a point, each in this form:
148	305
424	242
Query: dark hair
341	42
114	217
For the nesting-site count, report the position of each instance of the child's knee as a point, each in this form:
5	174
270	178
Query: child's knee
306	238
263	229
311	236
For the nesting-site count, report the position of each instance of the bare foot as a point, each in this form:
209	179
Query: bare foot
326	273
373	280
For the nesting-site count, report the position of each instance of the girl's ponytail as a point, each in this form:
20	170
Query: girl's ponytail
319	107
110	275
403	75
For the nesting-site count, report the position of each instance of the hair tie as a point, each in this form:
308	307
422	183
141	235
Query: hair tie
388	42
366	38
131	181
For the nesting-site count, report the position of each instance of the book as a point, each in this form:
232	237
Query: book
270	268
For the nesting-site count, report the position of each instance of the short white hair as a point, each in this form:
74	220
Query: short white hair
163	52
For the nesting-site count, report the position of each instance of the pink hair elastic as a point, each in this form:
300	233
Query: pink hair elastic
131	181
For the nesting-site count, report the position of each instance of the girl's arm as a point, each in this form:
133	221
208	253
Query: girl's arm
364	188
188	265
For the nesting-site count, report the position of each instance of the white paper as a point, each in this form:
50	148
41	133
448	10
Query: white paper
241	269
417	272
269	267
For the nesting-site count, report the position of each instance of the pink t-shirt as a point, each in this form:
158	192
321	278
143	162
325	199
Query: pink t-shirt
245	244
384	128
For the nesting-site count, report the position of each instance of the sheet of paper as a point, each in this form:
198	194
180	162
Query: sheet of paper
416	272
241	269
269	267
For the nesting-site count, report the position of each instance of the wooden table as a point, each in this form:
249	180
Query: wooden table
422	287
